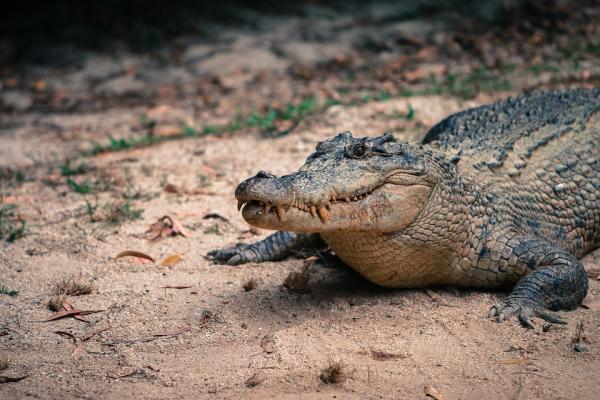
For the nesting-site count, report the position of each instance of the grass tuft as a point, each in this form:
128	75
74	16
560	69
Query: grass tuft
297	281
9	292
4	363
67	169
55	303
72	287
12	226
249	284
333	373
254	380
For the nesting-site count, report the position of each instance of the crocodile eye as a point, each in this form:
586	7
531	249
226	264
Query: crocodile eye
360	150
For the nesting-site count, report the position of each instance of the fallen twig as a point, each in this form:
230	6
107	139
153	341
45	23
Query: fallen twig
152	338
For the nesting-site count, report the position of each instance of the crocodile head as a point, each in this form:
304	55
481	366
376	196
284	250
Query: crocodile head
355	184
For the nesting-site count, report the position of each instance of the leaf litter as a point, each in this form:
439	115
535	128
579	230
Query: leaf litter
156	336
171	260
79	342
166	226
136	254
177	286
70	313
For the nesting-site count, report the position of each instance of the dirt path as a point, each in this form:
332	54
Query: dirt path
179	148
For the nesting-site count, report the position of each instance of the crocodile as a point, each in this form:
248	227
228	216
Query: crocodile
506	194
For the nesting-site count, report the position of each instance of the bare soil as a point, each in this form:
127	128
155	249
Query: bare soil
212	334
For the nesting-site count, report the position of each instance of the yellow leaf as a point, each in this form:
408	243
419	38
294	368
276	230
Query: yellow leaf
171	260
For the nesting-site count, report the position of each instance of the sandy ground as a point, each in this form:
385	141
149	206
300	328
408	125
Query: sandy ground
439	337
211	338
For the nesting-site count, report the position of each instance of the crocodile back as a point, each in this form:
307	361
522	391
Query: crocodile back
507	136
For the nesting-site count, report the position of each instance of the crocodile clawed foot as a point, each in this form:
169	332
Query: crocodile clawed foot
510	307
238	254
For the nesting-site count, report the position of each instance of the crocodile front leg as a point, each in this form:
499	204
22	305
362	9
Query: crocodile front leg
275	247
556	281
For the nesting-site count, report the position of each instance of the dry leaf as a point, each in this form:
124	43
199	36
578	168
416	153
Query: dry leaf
171	260
268	344
69	313
171	334
215	216
170	188
68	307
92	334
166	226
433	392
178	229
133	253
8	379
514	361
384	355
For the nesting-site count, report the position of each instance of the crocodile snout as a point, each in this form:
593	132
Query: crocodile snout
264	187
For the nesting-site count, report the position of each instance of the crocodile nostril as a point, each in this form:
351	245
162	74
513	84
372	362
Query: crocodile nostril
264	174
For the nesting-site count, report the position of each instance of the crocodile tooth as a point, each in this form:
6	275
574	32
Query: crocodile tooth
240	204
328	206
323	214
354	198
280	213
313	211
347	199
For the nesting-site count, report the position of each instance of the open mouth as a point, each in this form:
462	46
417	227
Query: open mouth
322	210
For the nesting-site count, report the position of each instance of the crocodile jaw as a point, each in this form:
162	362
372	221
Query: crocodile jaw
388	208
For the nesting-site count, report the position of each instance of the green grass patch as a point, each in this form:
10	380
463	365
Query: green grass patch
329	102
83	187
465	86
9	292
539	68
267	122
12	226
408	115
383	95
112	213
119	212
120	144
10	174
68	169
